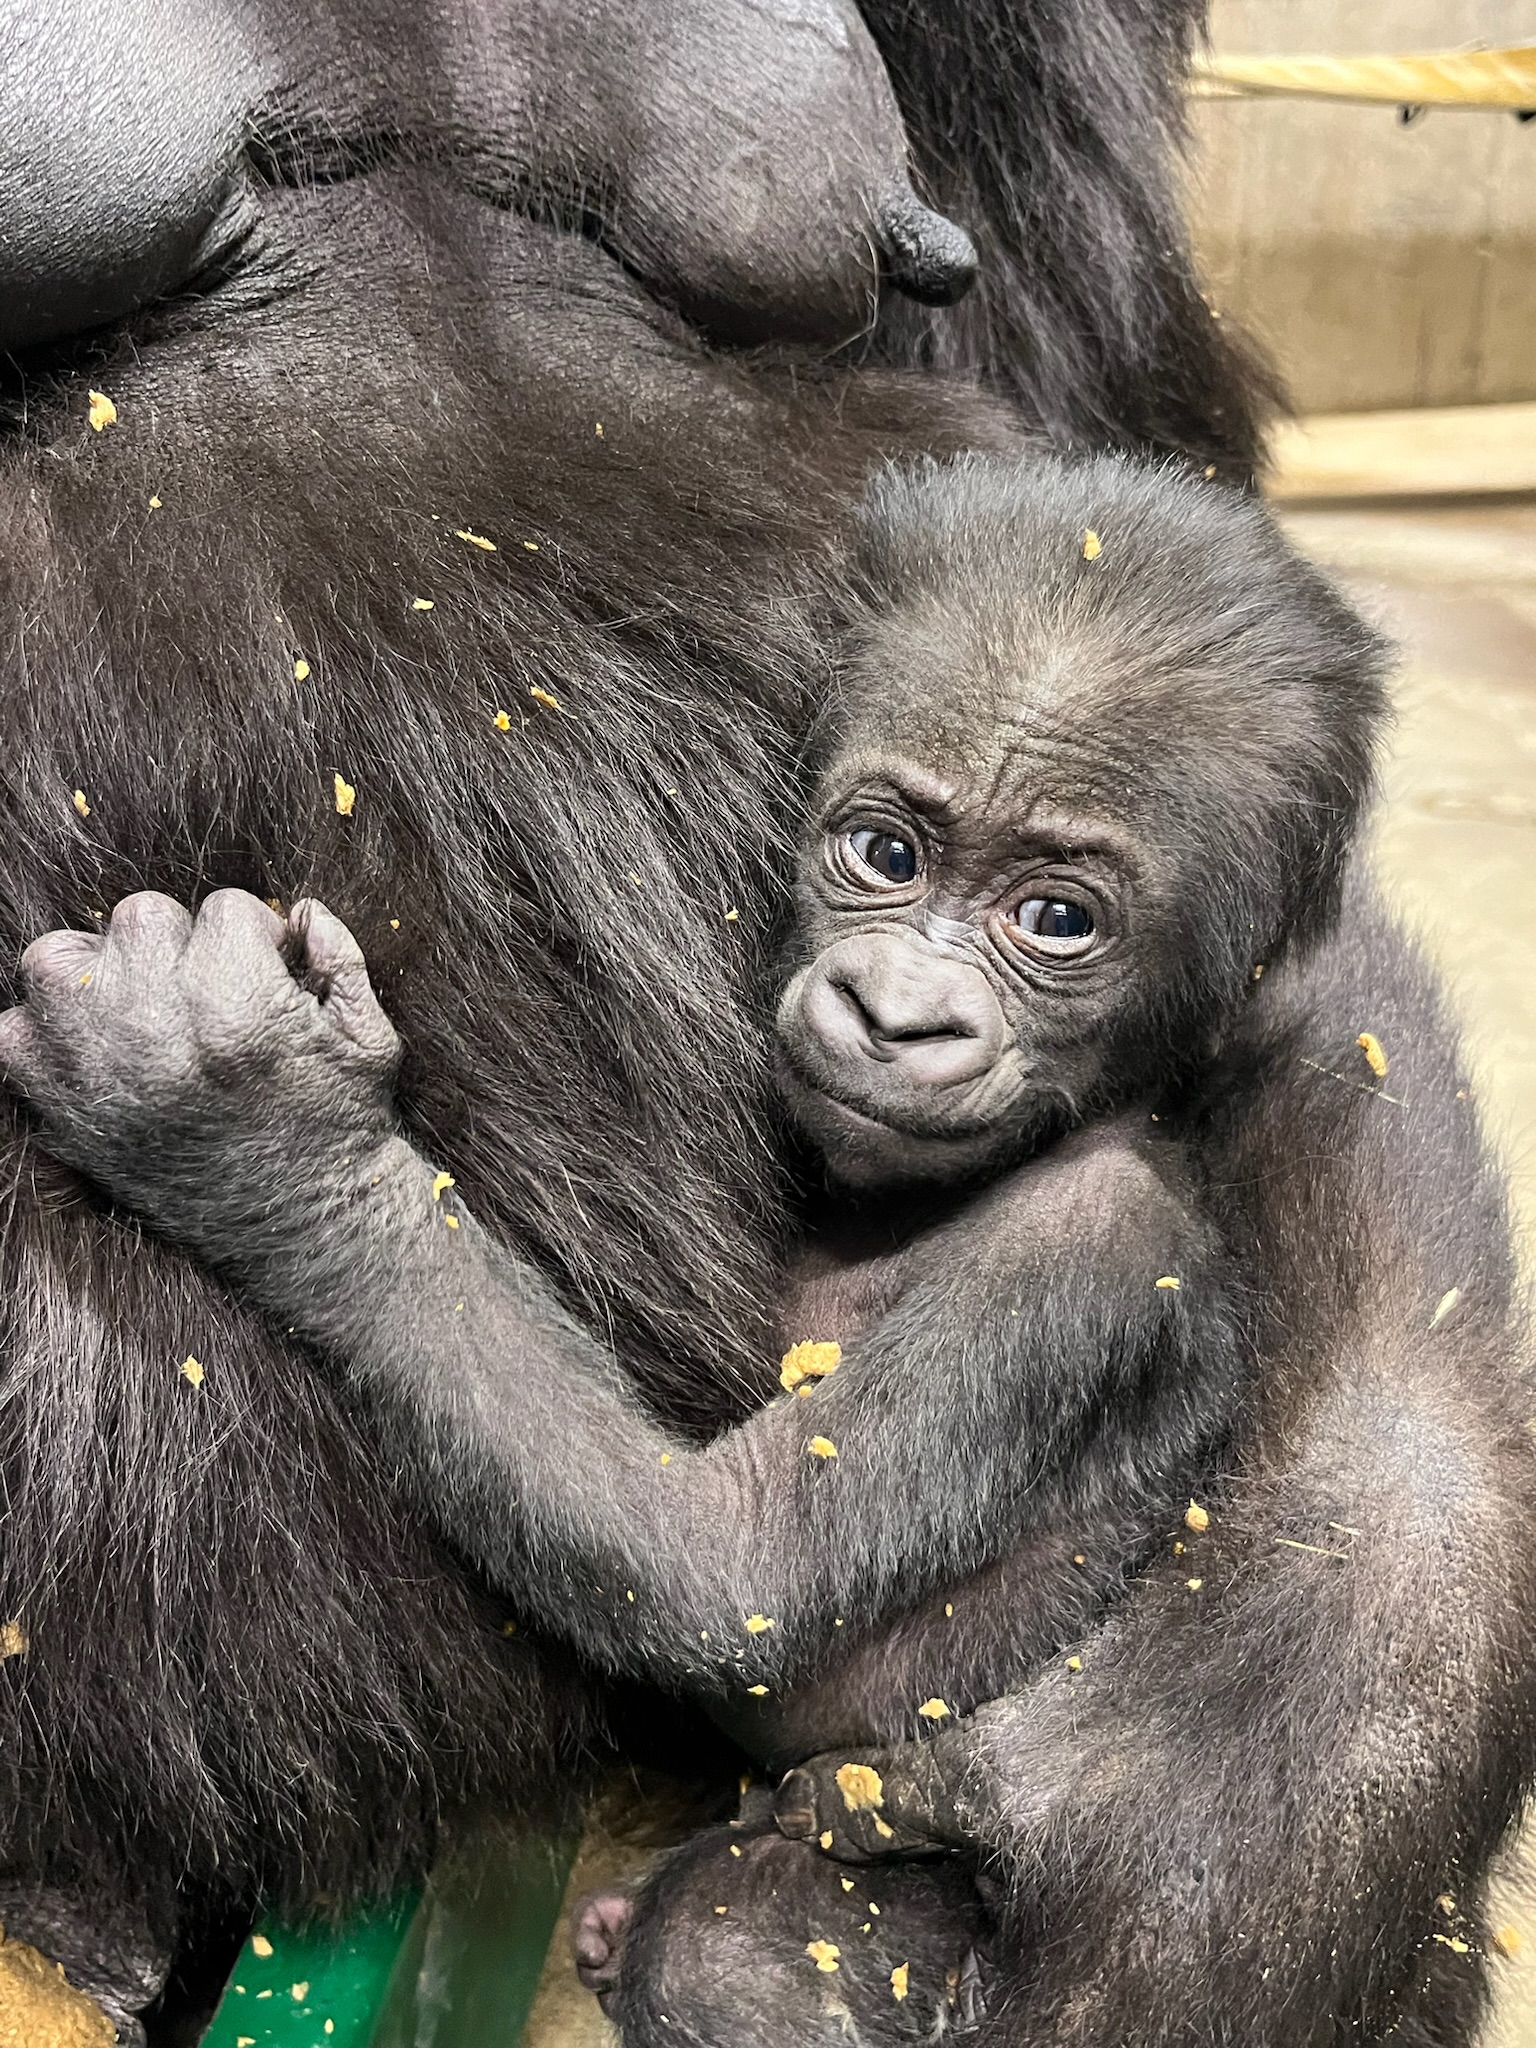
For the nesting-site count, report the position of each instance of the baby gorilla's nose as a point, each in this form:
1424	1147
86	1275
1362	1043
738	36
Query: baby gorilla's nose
895	1001
924	254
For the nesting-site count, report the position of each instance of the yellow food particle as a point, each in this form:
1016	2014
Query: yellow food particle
808	1361
824	1839
1170	1283
80	803
1508	1940
423	604
722	1909
300	669
1194	1585
394	924
299	1992
1074	1663
934	1710
1093	547
862	1787
823	1954
949	1610
823	1447
1447	1905
757	1624
1455	1944
733	916
846	1883
14	1641
899	1981
476	540
452	1222
1209	471
598	430
532	546
630	1598
441	1183
1197	1518
260	1946
735	1848
543	697
1375	1057
509	1628
884	1830
874	1909
1178	1548
1078	1557
192	1371
1443	1306
154	504
245	2041
502	722
758	1692
346	797
86	980
103	412
1258	972
666	1457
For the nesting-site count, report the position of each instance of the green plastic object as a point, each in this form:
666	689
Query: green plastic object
456	1967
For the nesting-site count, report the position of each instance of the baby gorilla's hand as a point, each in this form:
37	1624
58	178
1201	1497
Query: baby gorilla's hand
179	1063
870	1803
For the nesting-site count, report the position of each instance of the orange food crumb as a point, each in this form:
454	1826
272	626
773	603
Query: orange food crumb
1375	1057
103	412
899	1981
550	703
502	722
476	540
80	803
823	1954
808	1361
862	1787
1093	547
346	796
14	1641
1197	1518
934	1710
823	1447
757	1623
192	1371
441	1183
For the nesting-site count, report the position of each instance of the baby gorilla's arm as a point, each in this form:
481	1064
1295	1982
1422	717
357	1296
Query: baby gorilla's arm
181	1065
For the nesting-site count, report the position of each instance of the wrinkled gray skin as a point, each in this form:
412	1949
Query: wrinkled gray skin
745	157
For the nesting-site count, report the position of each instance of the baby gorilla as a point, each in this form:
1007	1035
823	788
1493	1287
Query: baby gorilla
1093	764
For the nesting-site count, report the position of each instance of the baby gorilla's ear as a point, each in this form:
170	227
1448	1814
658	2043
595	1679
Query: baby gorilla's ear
756	163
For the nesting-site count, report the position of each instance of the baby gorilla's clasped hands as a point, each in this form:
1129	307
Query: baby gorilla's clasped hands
169	1040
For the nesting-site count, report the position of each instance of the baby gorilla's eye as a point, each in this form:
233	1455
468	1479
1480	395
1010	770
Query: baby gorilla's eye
894	860
1055	926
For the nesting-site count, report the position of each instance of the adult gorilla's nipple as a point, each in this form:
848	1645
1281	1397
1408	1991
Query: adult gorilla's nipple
927	256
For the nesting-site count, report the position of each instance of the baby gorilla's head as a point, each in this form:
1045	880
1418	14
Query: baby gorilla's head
1098	753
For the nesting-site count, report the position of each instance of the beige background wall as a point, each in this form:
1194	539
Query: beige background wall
1382	265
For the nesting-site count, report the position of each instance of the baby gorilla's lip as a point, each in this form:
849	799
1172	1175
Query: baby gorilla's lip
813	1101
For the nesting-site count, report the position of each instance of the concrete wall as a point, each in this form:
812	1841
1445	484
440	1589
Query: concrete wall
1382	265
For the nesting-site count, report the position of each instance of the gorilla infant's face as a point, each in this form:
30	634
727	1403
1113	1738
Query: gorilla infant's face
967	951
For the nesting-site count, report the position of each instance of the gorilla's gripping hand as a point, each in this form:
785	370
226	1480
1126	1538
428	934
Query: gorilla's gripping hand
197	1068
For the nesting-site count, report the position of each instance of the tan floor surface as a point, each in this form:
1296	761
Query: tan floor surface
1456	846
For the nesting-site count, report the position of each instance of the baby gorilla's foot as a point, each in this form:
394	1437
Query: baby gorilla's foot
598	1931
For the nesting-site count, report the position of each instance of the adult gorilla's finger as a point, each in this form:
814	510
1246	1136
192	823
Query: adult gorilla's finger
56	961
150	924
235	950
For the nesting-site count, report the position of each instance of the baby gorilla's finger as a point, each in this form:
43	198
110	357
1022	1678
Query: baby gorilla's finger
53	965
335	962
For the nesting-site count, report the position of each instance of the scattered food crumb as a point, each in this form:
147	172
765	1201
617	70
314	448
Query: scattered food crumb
808	1361
1209	471
598	430
1443	1306
476	540
899	1981
86	980
441	1183
823	1954
346	796
154	504
394	924
509	1628
14	1641
1169	1283
1093	547
103	413
1447	1905
1508	1940
758	1692
666	1457
949	1610
732	916
423	604
1074	1663
299	1992
824	1839
862	1787
722	1909
847	1883
502	721
757	1624
300	670
532	546
1375	1057
1194	1585
934	1710
884	1830
1078	1557
1454	1943
823	1447
452	1222
1258	972
735	1848
80	803
192	1371
1178	1548
260	1945
1196	1518
544	697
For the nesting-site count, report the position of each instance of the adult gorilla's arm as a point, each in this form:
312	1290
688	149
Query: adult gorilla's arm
1051	131
1031	1378
1263	1810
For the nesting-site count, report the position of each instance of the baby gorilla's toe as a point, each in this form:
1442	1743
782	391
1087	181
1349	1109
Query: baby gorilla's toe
597	1936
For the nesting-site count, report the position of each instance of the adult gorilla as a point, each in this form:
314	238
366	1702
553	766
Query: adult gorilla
254	636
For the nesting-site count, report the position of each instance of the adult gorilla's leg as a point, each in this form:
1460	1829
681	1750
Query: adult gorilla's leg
1049	131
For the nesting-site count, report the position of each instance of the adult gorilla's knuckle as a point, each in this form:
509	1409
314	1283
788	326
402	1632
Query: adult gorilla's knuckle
148	915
